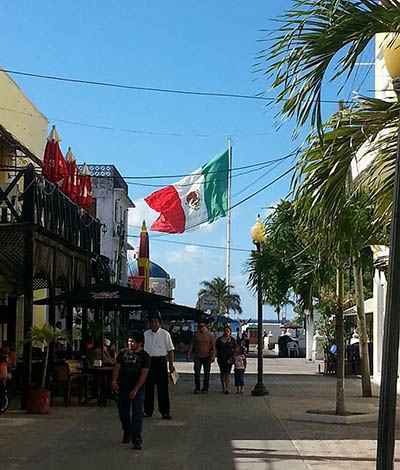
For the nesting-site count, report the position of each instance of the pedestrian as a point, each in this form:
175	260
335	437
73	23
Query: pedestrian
246	341
158	344
203	347
238	339
225	346
129	376
240	367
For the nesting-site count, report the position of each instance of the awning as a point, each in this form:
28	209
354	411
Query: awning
368	307
106	295
170	311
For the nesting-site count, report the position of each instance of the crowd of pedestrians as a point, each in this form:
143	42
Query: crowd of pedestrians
148	361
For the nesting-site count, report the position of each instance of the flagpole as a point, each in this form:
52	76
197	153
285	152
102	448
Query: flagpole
228	222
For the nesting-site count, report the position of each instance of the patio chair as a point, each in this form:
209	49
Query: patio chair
69	377
293	349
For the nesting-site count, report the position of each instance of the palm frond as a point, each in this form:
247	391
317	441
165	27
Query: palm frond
318	41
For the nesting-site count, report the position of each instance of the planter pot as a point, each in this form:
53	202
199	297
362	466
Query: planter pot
38	401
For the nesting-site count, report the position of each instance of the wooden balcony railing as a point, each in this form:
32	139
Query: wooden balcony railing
30	199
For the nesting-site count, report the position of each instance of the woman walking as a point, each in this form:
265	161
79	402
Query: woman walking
225	345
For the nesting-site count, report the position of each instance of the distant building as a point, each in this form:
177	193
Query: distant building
160	281
110	205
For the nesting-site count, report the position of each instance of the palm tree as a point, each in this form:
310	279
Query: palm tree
339	207
317	41
290	262
314	37
226	298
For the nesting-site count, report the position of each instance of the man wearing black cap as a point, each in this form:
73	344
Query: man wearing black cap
158	344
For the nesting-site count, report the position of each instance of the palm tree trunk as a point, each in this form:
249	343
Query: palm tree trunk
340	406
44	372
362	327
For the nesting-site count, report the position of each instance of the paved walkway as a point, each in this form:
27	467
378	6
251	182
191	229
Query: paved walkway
213	431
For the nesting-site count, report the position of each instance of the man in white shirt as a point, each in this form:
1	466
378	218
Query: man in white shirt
158	344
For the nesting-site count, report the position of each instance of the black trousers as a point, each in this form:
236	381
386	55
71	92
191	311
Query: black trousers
206	363
157	376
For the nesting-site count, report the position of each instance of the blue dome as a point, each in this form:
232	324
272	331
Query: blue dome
156	270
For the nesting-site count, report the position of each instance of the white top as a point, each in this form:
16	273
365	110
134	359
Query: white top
158	343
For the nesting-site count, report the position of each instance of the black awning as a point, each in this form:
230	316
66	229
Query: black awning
106	295
170	311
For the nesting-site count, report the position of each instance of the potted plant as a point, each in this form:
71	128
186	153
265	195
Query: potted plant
38	395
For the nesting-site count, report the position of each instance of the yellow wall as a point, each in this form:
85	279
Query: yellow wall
20	117
40	311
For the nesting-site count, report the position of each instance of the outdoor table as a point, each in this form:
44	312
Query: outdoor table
101	376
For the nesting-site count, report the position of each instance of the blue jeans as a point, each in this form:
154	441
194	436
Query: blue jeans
239	377
131	425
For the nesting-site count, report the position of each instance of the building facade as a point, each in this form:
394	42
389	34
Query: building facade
110	205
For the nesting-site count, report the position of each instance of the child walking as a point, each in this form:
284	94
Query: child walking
240	362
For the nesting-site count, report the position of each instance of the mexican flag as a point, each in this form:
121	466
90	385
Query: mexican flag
198	198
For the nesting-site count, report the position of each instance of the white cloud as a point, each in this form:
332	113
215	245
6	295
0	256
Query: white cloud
189	255
141	212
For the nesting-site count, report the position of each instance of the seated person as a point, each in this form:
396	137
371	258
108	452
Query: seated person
108	352
93	354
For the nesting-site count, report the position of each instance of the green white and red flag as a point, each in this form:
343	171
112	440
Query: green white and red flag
196	199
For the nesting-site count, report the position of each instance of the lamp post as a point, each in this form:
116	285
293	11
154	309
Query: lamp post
388	392
258	236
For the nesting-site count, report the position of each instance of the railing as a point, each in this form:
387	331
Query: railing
31	199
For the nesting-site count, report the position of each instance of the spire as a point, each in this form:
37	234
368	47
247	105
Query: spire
144	228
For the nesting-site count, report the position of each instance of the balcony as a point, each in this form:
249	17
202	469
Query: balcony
27	199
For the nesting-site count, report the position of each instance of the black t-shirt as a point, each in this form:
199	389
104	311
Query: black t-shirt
3	358
225	350
131	367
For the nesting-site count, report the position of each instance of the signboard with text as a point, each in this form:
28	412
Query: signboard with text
209	303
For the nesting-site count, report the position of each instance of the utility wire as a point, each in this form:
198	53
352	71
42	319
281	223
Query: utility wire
134	183
253	165
264	187
262	165
153	89
257	179
130	131
194	244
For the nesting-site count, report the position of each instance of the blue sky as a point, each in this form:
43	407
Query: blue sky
189	45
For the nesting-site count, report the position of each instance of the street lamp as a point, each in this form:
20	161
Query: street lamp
258	236
388	392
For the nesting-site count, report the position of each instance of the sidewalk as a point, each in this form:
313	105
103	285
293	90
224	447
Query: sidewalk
213	431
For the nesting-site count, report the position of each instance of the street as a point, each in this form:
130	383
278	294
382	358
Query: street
211	431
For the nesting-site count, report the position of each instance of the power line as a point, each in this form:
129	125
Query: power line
152	89
130	131
134	183
253	165
193	244
262	165
257	179
263	188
